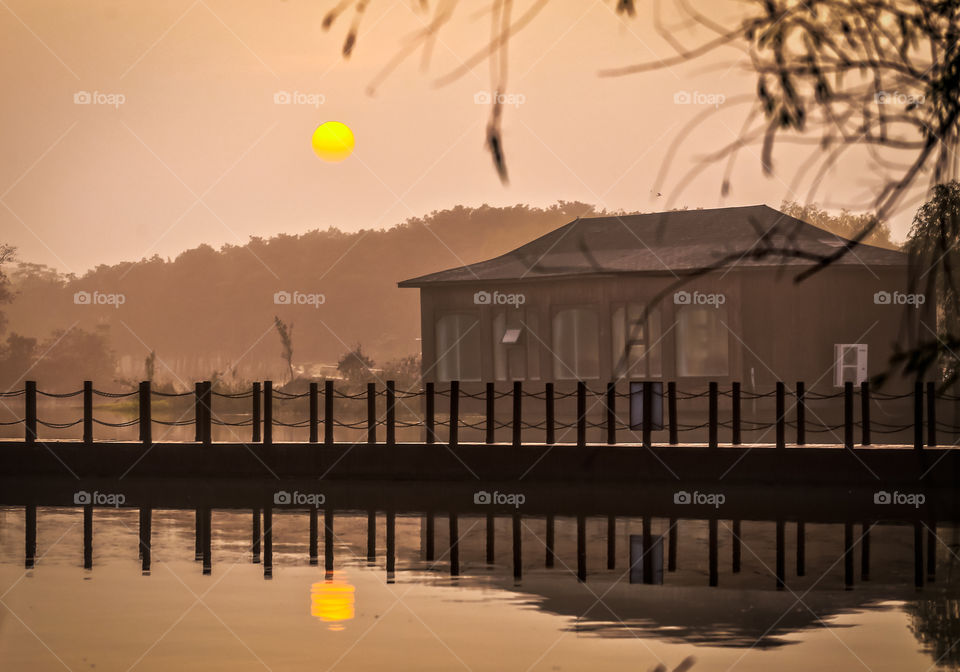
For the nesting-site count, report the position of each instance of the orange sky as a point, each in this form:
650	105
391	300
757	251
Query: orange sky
199	152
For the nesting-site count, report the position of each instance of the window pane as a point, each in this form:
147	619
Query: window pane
458	346
576	344
702	341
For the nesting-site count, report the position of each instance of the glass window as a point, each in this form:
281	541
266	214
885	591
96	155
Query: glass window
576	345
458	345
636	342
509	350
850	363
702	341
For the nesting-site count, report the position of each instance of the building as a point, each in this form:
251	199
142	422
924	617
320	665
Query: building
691	296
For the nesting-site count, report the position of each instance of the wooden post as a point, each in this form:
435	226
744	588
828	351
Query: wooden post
267	419
801	548
207	529
781	556
848	556
454	544
801	414
735	560
88	536
712	424
431	550
391	412
146	534
328	538
391	545
581	548
256	536
30	535
848	415
918	416
672	410
198	535
429	412
372	537
931	414
491	539
551	541
917	555
647	413
328	396
611	542
781	415
267	542
865	552
314	535
713	552
371	413
146	422
314	413
611	413
255	410
454	412
30	410
491	413
517	413
581	413
88	411
735	421
671	545
548	400
865	413
198	412
517	549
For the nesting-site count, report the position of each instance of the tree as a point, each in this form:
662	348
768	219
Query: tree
286	340
7	253
846	224
355	365
150	365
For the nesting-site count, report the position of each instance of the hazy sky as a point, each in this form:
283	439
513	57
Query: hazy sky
199	152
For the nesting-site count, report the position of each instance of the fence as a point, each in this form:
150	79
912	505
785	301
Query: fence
922	403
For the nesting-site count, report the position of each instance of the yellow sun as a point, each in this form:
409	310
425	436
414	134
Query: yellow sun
333	141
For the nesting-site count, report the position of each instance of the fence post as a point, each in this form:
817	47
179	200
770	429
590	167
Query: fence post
30	410
314	413
931	414
255	423
391	412
801	414
781	412
267	419
491	413
672	410
548	401
848	414
735	420
146	423
918	416
328	412
611	413
207	412
454	412
713	416
198	412
88	411
647	413
371	412
865	413
581	413
517	413
430	418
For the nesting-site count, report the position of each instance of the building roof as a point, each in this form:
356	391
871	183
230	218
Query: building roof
667	242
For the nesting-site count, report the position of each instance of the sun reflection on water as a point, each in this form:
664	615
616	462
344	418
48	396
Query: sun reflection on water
333	602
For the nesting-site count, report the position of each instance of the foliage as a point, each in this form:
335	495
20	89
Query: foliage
355	365
286	340
845	224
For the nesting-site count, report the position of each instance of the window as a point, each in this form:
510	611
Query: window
850	363
576	345
702	341
509	349
458	346
636	342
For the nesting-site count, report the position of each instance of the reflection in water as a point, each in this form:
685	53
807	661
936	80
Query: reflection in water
936	624
333	602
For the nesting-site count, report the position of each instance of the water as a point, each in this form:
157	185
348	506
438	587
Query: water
359	616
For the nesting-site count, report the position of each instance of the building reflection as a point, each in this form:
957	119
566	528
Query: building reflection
333	602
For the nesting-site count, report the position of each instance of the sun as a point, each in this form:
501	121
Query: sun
333	141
